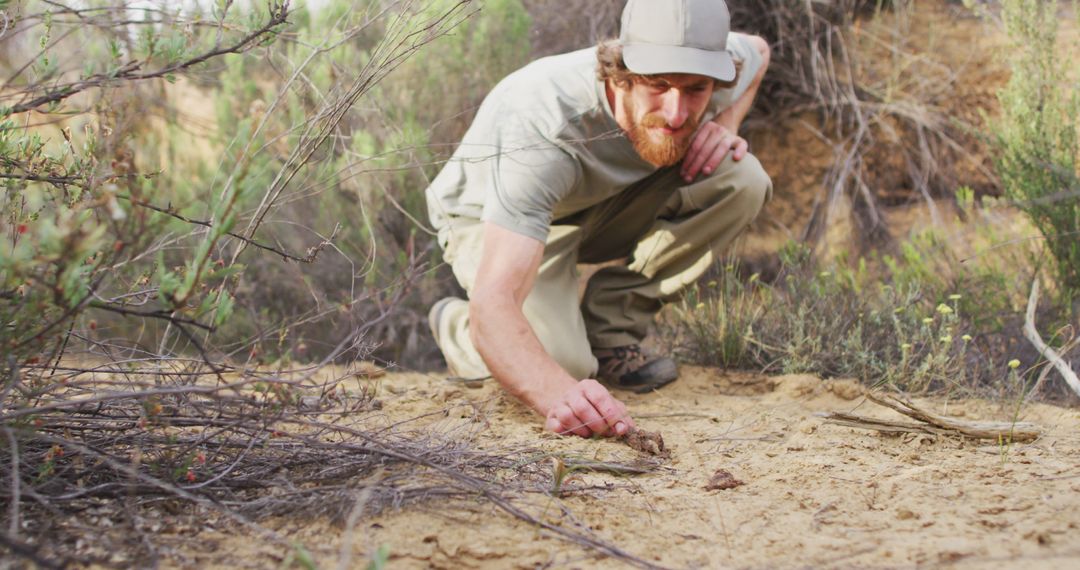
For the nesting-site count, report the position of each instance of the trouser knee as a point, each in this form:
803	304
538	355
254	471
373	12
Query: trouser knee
754	187
742	186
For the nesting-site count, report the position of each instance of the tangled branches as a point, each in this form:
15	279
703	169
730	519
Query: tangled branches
877	102
105	452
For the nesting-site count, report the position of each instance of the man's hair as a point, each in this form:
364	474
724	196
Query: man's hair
610	65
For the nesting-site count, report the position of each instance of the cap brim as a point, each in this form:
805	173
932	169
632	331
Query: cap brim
650	59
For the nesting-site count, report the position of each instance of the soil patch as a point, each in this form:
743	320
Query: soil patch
817	495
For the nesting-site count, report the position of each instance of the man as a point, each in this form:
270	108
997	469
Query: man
625	151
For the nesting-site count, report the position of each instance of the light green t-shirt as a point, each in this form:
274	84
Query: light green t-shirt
545	145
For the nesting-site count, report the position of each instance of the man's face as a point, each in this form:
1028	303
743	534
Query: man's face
661	113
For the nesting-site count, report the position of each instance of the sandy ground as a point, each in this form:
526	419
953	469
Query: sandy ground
814	495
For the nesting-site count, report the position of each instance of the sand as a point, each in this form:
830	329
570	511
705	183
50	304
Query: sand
813	494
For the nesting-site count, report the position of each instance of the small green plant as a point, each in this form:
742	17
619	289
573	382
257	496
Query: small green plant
301	557
381	559
1014	381
560	475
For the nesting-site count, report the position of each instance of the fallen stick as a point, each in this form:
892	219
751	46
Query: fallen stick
932	423
1050	354
894	426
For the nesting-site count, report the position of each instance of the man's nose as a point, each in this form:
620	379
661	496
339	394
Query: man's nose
674	108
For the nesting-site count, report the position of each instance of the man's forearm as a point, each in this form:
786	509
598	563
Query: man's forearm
514	355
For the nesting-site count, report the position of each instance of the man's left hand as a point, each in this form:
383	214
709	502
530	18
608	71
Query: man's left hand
711	144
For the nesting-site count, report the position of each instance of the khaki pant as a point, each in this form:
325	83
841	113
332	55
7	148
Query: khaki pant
671	232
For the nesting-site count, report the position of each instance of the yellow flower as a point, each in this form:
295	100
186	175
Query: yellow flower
955	297
928	320
946	339
1014	364
967	338
944	309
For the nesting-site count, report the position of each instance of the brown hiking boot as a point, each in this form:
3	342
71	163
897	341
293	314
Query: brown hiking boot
628	368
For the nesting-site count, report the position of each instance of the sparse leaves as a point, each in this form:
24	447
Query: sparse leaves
1037	132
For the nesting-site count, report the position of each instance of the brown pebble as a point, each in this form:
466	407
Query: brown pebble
722	480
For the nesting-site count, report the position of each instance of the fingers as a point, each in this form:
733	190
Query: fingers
709	148
705	143
588	409
739	150
611	410
566	421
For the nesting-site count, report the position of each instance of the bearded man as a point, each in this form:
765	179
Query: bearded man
627	151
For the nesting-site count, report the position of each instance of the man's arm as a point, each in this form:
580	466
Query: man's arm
715	138
508	267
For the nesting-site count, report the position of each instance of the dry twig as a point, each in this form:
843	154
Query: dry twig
932	423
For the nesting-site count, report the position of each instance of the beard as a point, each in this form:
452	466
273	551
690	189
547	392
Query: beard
660	149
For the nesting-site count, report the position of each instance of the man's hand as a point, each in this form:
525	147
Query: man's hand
515	356
711	144
588	409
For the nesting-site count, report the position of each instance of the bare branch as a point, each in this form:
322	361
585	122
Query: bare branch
1032	334
932	423
130	71
310	257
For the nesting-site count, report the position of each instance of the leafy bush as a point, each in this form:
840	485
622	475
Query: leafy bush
83	225
1037	133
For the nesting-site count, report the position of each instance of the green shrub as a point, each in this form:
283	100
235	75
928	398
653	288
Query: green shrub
1037	133
85	228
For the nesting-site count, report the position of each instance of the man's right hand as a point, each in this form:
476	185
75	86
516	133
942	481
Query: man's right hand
588	409
513	354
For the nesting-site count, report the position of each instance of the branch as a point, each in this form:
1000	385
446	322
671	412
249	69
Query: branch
1045	351
16	492
278	16
310	257
57	180
159	314
932	423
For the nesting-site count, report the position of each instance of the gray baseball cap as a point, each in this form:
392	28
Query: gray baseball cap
677	36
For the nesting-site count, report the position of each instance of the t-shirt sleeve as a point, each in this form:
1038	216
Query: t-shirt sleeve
743	50
526	178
